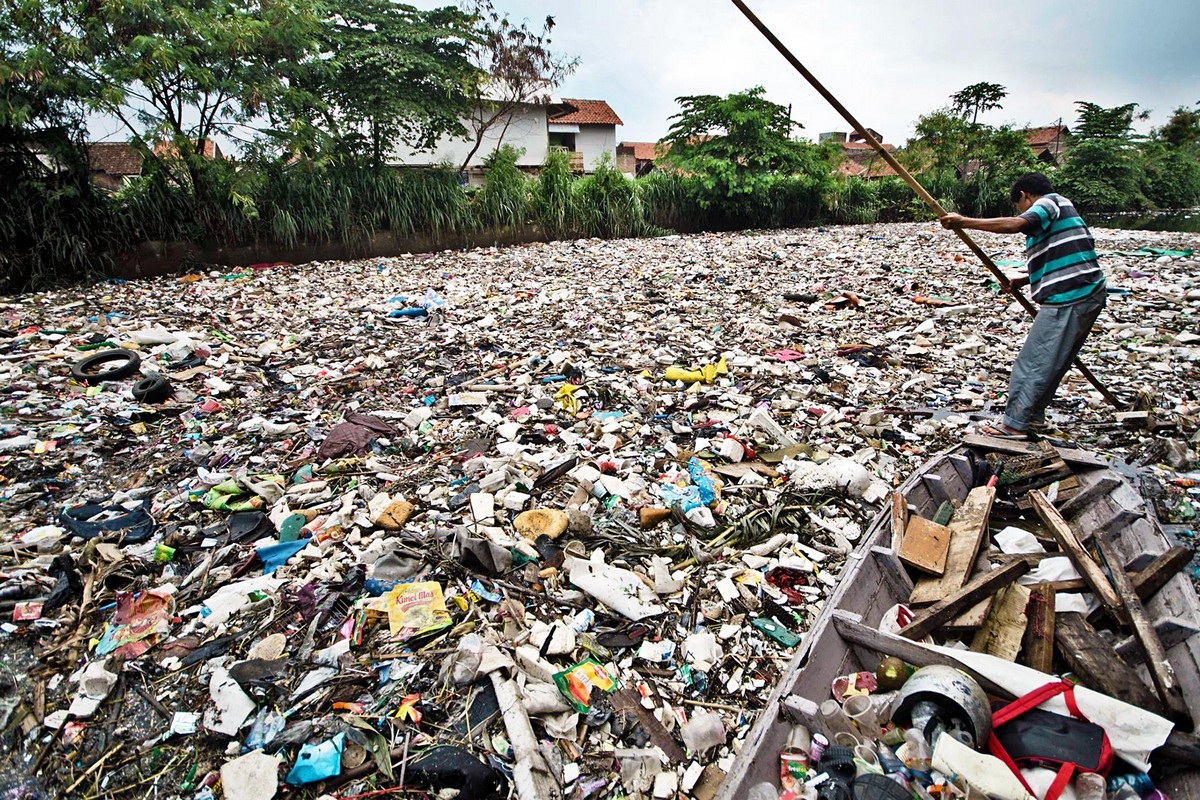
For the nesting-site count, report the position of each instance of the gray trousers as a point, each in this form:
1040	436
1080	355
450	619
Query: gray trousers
1056	336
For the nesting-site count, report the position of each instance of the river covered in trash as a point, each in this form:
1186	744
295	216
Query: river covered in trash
550	518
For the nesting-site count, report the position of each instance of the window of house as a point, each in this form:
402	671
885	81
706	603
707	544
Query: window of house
564	140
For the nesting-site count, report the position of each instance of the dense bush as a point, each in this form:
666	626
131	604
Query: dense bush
1103	175
55	226
897	202
1171	177
667	203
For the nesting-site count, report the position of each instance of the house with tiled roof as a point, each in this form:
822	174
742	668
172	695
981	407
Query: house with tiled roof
638	158
113	164
859	159
586	129
1049	143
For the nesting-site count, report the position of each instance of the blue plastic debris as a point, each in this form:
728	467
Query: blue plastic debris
276	555
318	762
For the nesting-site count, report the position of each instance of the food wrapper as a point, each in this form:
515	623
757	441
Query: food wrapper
415	609
578	681
793	769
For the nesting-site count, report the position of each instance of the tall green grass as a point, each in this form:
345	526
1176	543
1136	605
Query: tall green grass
608	204
554	198
667	203
505	200
854	201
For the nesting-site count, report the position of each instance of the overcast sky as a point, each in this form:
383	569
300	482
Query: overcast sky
887	61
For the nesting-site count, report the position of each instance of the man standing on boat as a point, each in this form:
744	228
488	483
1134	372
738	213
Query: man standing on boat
1065	279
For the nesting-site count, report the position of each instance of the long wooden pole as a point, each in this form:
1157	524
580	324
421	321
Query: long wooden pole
910	180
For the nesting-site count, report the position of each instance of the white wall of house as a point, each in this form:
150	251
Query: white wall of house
595	140
527	131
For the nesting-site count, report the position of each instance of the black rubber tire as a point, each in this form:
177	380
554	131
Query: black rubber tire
154	389
86	371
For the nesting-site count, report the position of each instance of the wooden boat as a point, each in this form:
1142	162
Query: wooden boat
1102	504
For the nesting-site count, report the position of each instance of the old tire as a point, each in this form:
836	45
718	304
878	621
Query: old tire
90	370
154	389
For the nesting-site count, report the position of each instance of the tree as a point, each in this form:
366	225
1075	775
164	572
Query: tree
1183	128
392	73
976	98
737	145
1103	174
514	67
54	223
968	165
1104	170
943	144
179	71
1098	122
1172	175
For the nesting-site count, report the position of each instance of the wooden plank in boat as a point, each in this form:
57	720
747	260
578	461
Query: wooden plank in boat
1068	542
1098	665
1068	454
892	571
1161	671
1088	495
982	586
1148	582
968	529
1004	628
972	619
925	546
1067	488
850	628
937	490
1039	637
900	516
962	465
1171	631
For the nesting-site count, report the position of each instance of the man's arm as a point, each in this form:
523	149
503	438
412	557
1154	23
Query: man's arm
994	225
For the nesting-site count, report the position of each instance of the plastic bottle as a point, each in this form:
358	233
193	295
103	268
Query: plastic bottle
860	710
819	745
833	718
799	740
890	762
920	756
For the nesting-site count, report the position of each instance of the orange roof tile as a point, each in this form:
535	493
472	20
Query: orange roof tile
114	158
644	151
1046	135
588	112
864	146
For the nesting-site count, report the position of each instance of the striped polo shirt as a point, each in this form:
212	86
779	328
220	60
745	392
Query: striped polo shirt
1060	251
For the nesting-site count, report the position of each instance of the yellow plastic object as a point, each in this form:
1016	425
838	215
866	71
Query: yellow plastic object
705	374
566	398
